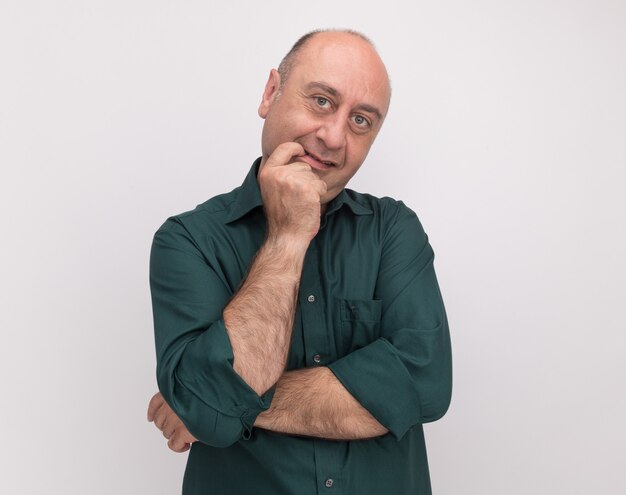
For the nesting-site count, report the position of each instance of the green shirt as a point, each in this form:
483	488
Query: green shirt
369	308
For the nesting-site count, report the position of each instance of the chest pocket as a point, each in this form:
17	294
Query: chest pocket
359	322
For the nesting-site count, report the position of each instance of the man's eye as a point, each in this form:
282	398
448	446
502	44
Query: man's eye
322	102
361	121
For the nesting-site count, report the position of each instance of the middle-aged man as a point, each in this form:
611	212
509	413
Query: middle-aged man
300	332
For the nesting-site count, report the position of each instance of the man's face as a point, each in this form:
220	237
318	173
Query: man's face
333	104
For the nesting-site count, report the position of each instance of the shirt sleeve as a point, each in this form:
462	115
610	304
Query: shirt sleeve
404	377
194	356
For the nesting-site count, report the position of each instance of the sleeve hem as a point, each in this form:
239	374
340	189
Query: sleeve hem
375	377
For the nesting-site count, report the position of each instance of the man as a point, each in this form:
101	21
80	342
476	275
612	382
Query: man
300	333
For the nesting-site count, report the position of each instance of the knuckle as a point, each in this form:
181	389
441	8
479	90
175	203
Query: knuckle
174	444
162	422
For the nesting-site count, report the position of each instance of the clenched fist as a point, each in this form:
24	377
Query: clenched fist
166	420
291	194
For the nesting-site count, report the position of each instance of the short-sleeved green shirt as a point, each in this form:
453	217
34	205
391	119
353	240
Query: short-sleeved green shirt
369	308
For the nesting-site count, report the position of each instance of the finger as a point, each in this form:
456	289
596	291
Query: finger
185	448
165	426
170	427
284	153
177	444
299	171
161	416
154	404
299	166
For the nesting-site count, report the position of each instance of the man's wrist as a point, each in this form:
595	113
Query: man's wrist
291	246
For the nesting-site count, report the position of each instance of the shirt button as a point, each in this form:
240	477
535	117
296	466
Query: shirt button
317	358
311	298
328	483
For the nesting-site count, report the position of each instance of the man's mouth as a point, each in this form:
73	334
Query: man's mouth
316	161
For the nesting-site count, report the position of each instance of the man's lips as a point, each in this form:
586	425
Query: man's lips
316	162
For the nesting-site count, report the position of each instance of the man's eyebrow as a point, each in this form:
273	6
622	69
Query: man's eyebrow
333	92
369	108
324	87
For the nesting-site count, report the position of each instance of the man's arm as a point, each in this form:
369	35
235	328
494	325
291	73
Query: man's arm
312	402
259	318
404	377
307	402
217	353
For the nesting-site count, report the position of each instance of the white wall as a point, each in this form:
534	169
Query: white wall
506	134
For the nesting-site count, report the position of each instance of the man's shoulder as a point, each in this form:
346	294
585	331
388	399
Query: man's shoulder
212	212
222	209
387	214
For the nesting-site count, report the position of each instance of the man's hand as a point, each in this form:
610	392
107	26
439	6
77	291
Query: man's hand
291	194
166	420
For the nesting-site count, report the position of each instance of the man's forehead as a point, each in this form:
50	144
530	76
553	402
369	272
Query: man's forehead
343	64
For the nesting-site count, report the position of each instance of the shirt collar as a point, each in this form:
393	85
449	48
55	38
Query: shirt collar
249	197
345	197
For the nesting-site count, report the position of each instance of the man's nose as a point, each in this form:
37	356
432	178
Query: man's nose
333	131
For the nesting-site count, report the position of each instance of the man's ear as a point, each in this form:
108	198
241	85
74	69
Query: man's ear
272	87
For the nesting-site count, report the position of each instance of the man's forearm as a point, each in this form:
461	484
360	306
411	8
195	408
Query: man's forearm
312	402
259	318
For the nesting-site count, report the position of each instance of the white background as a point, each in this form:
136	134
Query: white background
506	134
